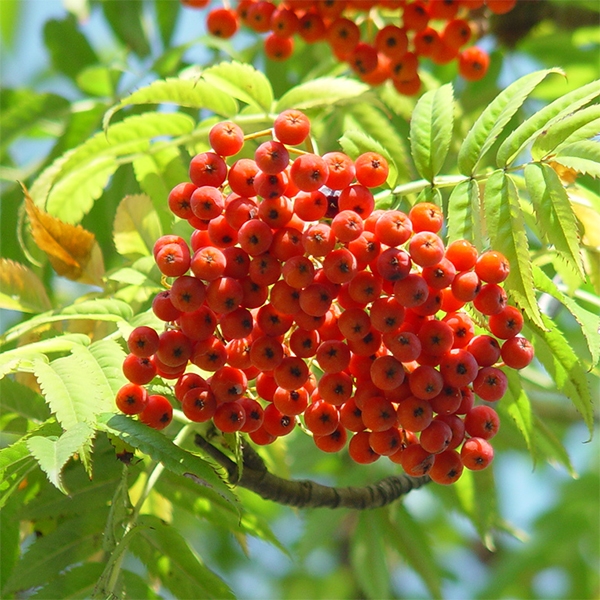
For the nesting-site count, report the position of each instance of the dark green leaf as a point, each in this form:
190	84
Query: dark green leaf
22	400
69	49
69	544
517	405
168	556
166	17
368	556
77	583
431	130
11	537
127	22
558	224
494	119
157	446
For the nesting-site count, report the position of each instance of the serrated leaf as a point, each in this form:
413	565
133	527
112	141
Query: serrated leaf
558	225
241	81
99	309
80	386
517	405
512	146
581	125
157	446
583	157
493	120
182	92
167	555
375	124
69	248
564	366
403	532
354	143
368	555
71	184
464	214
136	226
69	544
323	92
506	226
52	455
21	289
431	130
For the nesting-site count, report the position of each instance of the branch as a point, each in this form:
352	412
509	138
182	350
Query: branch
306	493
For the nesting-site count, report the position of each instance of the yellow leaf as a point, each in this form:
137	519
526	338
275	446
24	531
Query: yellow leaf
566	175
72	250
21	289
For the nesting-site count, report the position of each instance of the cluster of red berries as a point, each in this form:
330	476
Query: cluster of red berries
380	40
302	304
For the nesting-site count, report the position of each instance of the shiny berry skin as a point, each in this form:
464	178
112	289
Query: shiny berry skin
143	341
158	412
131	399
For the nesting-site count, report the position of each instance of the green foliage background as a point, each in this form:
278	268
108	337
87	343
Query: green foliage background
117	131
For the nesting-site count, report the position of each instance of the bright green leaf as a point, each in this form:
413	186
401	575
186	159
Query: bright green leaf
182	92
506	227
581	125
431	130
542	120
564	366
241	81
494	119
136	226
583	157
554	211
323	92
21	289
52	455
97	80
517	405
589	321
464	216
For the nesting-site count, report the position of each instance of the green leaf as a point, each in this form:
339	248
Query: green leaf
127	22
581	125
166	18
25	109
136	227
158	447
21	289
78	582
464	214
9	15
589	321
516	403
549	446
564	366
583	157
323	92
167	556
431	130
182	92
69	49
494	119
98	80
52	455
80	386
368	556
99	309
74	181
10	525
404	533
241	81
68	545
375	124
512	146
558	223
22	400
354	143
506	226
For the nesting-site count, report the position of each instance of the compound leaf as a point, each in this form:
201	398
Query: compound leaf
321	93
583	157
